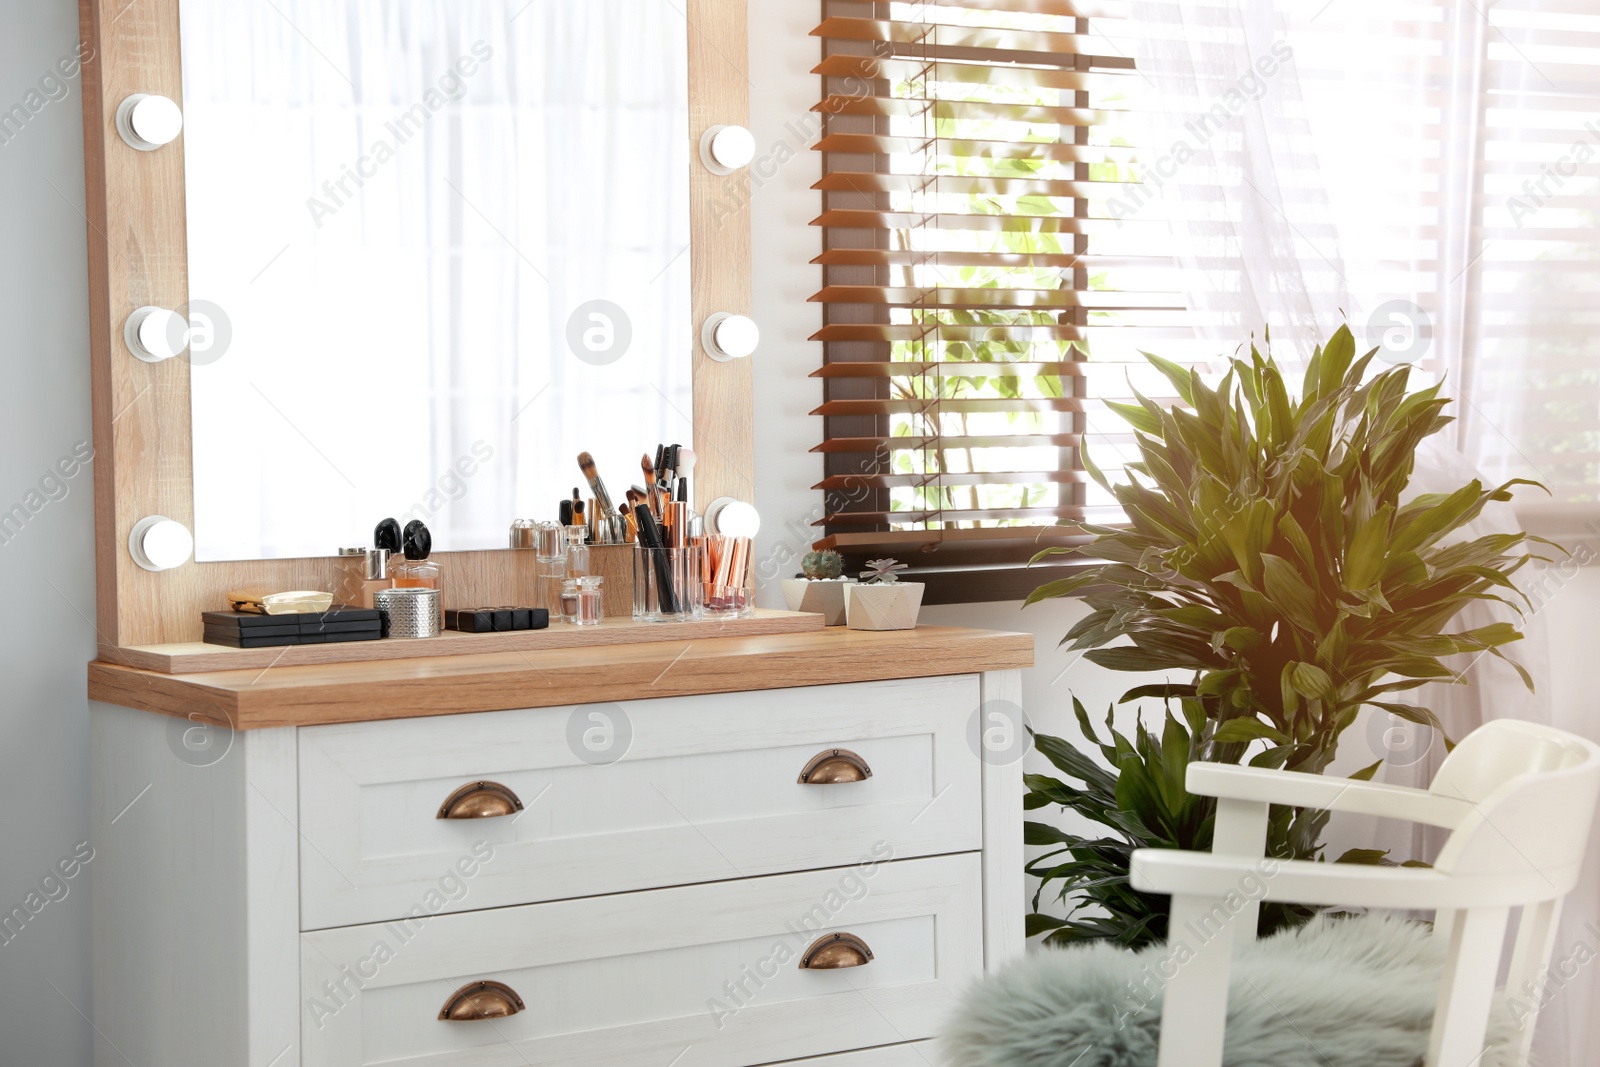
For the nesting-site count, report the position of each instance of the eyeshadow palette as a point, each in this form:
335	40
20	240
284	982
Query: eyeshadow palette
496	620
244	630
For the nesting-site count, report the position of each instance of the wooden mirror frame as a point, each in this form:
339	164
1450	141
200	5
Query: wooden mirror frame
138	256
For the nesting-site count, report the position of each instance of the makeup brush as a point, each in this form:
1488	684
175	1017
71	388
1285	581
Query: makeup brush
686	461
601	497
650	484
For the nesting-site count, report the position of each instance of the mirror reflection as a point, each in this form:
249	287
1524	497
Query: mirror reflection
436	249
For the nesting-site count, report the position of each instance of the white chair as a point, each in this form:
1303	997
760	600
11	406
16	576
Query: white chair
1518	799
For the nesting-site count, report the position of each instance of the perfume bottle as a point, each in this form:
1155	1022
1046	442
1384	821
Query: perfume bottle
577	551
550	563
587	610
417	571
362	572
569	600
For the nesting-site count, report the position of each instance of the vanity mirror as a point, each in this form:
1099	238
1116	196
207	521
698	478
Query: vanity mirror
445	248
394	257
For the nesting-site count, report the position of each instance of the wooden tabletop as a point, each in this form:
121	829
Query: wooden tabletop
441	685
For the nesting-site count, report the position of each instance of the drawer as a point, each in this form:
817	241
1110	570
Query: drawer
635	795
696	976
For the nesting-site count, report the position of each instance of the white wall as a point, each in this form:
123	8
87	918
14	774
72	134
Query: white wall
46	637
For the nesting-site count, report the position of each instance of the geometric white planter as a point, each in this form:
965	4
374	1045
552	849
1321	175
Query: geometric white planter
880	606
821	596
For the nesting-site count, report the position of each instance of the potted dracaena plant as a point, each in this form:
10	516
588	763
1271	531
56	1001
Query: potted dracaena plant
882	601
819	588
1273	556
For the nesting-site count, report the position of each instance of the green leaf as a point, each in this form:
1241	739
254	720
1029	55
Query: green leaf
1365	774
1311	681
1247	730
1130	659
1137	417
1039	833
1067	758
1365	559
1035	924
1289	592
1367	857
1181	377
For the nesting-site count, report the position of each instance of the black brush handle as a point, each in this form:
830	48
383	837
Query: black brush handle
650	537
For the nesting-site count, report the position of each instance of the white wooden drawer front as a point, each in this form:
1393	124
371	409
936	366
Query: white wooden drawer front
696	789
696	976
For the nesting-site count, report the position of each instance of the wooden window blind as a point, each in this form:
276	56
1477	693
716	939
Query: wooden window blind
982	295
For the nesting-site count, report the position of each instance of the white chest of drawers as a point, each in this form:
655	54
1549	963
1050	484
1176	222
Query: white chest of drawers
292	894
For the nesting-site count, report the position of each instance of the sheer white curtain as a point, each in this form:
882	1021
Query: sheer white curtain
1355	161
400	205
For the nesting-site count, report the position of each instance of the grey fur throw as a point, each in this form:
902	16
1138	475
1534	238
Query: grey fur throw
1339	992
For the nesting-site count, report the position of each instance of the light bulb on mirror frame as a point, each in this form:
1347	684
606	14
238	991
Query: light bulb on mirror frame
158	543
725	149
148	121
154	334
732	518
726	336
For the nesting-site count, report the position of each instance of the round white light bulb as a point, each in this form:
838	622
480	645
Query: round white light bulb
726	336
725	149
733	518
158	543
147	121
155	333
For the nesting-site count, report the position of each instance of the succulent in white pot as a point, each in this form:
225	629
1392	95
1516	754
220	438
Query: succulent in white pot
820	589
882	601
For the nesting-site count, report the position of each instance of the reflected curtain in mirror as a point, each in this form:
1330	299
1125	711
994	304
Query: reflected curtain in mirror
435	250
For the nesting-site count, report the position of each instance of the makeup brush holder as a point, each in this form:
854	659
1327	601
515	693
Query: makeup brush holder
666	584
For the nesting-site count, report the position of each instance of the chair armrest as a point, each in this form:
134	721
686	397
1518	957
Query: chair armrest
1203	874
1295	789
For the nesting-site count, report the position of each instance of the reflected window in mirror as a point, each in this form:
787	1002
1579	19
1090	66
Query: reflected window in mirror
435	251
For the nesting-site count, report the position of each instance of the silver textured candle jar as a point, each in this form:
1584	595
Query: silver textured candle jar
408	612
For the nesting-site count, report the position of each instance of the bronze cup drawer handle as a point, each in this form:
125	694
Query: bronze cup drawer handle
480	800
481	1000
831	951
834	767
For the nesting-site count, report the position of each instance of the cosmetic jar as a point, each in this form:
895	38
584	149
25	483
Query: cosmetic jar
408	612
522	535
549	542
569	600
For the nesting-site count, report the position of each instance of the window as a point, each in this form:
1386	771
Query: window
984	287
